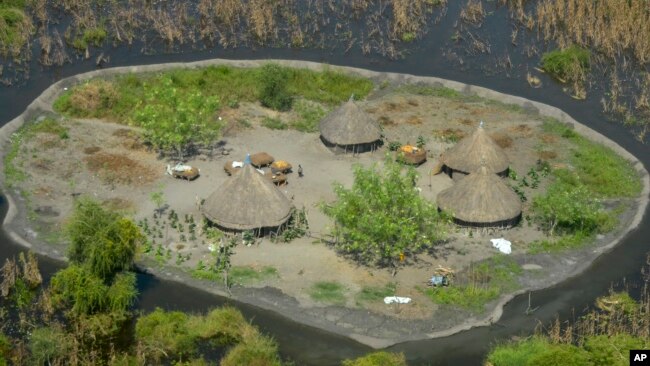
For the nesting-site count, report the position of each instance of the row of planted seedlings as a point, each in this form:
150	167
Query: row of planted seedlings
159	236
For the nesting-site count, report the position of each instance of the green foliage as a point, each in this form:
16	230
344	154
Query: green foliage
569	64
5	348
560	355
517	354
274	92
174	120
328	292
83	292
101	240
374	293
308	116
559	243
381	358
569	209
257	350
296	227
245	274
164	333
383	216
15	27
274	123
48	344
598	167
95	36
480	284
613	350
394	145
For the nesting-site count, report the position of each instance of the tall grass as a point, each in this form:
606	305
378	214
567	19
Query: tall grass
603	336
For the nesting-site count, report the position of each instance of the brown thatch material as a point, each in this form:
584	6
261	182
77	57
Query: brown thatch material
261	159
412	156
230	170
437	169
277	178
349	125
472	151
481	199
248	201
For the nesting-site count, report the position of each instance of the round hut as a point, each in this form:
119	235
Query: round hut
470	152
481	199
350	129
248	201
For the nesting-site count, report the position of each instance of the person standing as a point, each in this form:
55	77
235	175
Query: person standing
300	174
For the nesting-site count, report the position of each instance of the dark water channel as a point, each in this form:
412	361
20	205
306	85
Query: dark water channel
432	57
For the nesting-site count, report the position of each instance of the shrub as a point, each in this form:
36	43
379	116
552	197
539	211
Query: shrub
383	216
560	355
569	209
570	64
613	350
381	358
274	93
48	345
101	239
162	333
517	354
258	351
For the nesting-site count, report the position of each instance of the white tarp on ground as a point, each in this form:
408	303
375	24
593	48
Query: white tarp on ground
237	164
502	244
397	299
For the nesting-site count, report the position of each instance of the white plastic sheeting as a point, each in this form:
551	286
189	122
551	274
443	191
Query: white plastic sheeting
502	244
397	299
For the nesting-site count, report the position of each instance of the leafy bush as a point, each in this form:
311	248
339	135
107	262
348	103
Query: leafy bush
517	354
162	333
569	208
274	93
102	240
381	358
570	64
383	216
560	355
48	344
258	350
613	350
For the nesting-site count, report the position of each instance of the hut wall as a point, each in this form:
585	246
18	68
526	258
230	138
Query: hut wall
354	149
497	224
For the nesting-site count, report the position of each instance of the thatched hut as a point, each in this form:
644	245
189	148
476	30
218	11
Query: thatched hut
248	201
481	199
470	152
350	129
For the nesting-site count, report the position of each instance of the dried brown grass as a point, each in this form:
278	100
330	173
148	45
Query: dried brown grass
473	12
91	150
91	96
502	139
119	168
414	120
547	155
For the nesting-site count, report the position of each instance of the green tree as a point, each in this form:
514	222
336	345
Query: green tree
382	218
102	240
176	121
274	93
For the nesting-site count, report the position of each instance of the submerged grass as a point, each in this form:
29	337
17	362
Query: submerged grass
480	284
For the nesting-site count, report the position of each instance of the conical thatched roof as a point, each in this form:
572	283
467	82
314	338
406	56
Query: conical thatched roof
349	125
247	201
480	198
468	154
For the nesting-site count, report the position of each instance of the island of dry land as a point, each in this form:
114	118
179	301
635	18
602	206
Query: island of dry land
109	136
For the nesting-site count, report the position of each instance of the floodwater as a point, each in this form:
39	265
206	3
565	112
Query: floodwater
432	56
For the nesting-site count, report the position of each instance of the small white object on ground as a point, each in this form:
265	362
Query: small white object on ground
502	244
260	171
212	248
397	299
237	164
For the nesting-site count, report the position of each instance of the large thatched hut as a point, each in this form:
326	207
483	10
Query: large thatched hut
472	151
481	199
350	129
248	201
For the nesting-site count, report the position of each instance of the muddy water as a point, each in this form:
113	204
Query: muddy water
431	57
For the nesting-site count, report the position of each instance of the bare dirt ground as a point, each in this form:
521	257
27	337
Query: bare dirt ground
108	162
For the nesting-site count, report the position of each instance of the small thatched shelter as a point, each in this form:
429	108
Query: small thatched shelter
248	201
350	129
470	152
481	199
